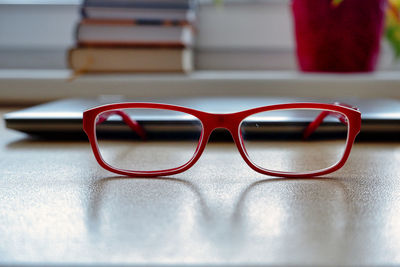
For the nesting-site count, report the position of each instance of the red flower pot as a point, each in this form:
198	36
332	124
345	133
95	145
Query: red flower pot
338	38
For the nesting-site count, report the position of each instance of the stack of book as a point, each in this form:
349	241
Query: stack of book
134	36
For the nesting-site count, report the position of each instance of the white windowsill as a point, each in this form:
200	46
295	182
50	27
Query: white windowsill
34	86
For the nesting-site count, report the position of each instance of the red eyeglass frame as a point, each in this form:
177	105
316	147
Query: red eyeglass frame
231	122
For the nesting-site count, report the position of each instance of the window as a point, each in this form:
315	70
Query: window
246	34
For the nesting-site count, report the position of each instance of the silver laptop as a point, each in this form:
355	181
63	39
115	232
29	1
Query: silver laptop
63	118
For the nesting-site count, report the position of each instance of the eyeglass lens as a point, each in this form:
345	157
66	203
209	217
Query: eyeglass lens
147	139
295	140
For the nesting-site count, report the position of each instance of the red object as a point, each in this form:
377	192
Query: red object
134	125
338	38
312	127
230	122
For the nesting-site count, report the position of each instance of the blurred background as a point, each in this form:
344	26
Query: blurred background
236	45
241	34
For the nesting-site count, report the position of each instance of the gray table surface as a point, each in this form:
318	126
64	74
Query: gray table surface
57	206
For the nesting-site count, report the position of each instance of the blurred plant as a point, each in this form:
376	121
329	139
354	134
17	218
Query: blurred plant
336	3
393	26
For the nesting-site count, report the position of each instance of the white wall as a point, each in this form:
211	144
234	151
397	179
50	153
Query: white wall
260	25
37	26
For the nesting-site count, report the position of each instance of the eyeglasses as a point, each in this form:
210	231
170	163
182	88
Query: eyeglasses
286	140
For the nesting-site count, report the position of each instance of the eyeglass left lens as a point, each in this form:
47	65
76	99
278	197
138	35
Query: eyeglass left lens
147	139
295	140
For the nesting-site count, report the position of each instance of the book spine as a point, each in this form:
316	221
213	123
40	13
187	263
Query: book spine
185	39
124	14
116	44
139	5
135	22
84	60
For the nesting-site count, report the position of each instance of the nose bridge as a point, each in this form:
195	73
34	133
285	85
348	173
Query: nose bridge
223	121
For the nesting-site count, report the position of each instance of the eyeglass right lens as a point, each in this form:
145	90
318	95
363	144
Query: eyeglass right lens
147	139
295	140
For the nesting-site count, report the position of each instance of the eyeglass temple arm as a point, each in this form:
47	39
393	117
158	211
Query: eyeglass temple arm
134	125
312	127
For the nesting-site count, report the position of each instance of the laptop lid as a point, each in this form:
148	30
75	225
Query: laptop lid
63	118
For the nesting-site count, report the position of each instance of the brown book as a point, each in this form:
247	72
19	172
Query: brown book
102	12
84	59
96	32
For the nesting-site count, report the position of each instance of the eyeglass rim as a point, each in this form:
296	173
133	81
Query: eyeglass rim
210	121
